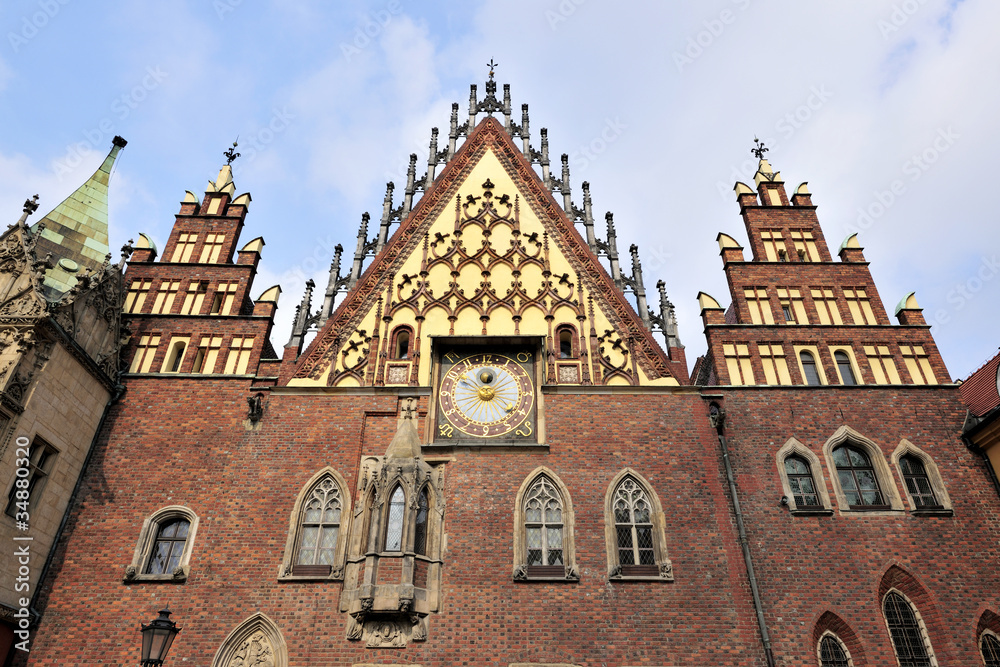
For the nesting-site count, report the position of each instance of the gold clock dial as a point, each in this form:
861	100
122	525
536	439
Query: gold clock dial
486	396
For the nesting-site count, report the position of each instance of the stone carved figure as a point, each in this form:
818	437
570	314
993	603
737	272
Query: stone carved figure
254	652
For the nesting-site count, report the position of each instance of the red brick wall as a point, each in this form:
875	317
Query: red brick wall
814	569
243	485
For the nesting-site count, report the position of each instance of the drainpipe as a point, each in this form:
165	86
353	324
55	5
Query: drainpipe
717	419
119	390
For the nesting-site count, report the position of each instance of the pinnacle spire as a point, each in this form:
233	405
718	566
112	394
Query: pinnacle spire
76	231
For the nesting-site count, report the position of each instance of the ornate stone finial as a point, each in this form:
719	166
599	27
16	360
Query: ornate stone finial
231	154
409	408
759	150
491	65
127	250
31	205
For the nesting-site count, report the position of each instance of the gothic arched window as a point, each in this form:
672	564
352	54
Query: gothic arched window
989	646
832	653
316	546
420	525
543	524
858	479
543	529
633	527
917	482
634	530
801	481
320	523
907	635
394	521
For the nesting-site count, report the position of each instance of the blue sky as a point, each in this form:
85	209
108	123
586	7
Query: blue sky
887	109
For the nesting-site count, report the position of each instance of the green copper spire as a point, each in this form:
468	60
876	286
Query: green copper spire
76	231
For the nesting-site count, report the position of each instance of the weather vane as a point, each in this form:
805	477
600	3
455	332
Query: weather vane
231	154
491	65
760	149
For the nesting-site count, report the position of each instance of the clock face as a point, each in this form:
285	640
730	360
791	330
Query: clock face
486	395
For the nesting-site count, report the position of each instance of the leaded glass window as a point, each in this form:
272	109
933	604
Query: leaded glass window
857	478
831	653
168	547
633	524
420	526
906	635
801	481
543	523
990	646
320	524
917	482
394	521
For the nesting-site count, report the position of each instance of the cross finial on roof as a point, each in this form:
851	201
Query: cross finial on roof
760	149
491	65
231	154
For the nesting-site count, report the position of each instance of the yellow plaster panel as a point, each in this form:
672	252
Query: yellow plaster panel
442	238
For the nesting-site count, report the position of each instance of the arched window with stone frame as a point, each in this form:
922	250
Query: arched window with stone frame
989	648
925	489
907	631
861	477
634	530
802	482
543	529
316	545
832	652
163	552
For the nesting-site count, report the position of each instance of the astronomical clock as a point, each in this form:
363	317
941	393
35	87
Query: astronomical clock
486	396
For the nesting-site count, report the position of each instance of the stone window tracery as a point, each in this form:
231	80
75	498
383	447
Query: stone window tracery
634	530
543	524
543	530
315	546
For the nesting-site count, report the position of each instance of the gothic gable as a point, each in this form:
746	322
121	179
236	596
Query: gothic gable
487	252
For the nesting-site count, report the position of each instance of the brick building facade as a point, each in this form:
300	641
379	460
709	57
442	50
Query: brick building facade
483	456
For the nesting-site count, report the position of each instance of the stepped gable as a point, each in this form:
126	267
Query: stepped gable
368	293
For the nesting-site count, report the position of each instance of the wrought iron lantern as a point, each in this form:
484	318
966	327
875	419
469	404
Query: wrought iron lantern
157	638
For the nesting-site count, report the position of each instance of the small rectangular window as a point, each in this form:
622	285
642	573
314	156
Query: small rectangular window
791	302
805	245
41	457
826	305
